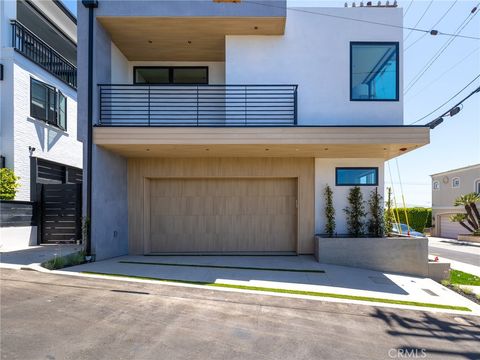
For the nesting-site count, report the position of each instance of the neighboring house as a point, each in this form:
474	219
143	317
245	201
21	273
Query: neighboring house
446	187
38	133
217	125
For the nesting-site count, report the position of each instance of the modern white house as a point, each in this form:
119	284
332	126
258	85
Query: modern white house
216	125
38	128
446	187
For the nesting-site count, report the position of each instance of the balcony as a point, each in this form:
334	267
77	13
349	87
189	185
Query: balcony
198	105
32	47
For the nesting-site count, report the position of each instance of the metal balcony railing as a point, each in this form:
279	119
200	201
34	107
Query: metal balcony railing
197	105
35	49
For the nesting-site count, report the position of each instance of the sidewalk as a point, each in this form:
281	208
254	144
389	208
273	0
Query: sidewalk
17	259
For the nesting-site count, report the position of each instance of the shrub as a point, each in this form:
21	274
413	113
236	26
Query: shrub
329	212
60	262
375	222
389	215
8	184
418	218
355	212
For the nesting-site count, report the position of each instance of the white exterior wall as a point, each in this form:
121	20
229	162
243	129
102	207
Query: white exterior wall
122	69
325	174
314	53
50	143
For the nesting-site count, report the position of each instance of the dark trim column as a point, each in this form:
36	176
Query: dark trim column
90	5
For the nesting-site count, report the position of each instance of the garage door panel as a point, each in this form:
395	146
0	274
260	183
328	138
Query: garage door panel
449	229
202	215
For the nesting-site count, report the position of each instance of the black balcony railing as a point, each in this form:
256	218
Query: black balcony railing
32	47
198	105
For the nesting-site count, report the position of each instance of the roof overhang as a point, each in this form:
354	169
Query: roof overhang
186	38
321	142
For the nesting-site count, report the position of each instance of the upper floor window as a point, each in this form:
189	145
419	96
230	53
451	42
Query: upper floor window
374	71
436	185
48	104
456	182
477	186
170	75
356	176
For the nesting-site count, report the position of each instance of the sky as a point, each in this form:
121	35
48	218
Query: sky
456	142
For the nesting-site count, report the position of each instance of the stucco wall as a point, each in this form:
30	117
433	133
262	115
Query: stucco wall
444	197
109	171
391	255
325	174
315	54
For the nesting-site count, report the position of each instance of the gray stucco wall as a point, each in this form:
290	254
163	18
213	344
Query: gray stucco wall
392	255
190	8
109	219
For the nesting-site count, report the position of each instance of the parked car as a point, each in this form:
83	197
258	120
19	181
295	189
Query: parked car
404	230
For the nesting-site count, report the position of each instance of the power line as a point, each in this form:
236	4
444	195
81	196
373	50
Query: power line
408	8
446	102
436	32
433	26
448	70
442	49
421	17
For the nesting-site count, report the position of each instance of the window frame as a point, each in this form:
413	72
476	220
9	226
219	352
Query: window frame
476	186
453	182
375	168
433	185
397	68
170	74
56	103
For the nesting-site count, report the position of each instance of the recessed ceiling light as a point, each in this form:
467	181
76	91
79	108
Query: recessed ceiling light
403	149
207	149
325	149
267	149
189	41
147	149
150	41
256	27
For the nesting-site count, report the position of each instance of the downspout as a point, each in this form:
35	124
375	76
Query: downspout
90	5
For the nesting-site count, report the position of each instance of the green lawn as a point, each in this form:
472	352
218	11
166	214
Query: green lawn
462	278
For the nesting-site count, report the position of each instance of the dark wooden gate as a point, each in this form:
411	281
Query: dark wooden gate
61	212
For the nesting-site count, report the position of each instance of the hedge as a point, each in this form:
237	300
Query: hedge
418	218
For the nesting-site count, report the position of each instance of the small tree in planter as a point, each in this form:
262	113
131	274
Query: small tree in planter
355	212
8	184
329	212
389	215
375	222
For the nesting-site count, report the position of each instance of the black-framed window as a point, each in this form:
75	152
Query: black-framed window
170	75
374	71
356	176
48	104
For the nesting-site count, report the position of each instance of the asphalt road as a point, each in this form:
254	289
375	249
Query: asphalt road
467	258
468	253
45	316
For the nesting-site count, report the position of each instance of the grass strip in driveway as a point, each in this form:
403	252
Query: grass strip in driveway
295	292
220	266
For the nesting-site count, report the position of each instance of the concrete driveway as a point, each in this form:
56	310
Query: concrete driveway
297	273
48	316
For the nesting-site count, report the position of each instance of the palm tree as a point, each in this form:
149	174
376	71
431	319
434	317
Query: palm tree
460	218
472	217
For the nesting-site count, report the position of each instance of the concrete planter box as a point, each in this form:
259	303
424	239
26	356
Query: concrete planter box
469	238
396	255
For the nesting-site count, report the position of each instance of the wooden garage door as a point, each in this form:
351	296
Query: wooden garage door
223	215
450	229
